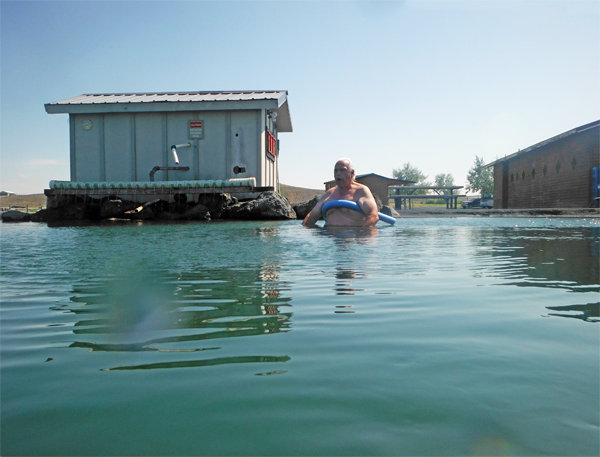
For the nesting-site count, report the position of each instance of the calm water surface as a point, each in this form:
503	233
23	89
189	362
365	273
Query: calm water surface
455	336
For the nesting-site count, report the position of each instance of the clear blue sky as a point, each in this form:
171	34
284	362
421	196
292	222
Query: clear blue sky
433	83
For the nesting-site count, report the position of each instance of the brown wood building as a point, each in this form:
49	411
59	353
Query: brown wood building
377	183
556	173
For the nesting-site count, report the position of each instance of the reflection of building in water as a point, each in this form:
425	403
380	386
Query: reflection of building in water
160	313
565	258
586	312
269	276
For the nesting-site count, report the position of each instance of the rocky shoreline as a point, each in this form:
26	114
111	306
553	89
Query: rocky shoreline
268	206
73	208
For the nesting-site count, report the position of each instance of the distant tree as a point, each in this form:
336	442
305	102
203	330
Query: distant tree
444	179
480	179
410	173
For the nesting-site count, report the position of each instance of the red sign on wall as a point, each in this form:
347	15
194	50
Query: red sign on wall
271	144
196	129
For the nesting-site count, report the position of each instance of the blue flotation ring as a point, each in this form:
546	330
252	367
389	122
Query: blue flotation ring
355	207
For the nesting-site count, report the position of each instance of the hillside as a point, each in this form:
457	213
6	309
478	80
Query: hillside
22	201
299	194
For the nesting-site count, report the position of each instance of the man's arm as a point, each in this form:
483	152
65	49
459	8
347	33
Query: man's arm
315	214
369	207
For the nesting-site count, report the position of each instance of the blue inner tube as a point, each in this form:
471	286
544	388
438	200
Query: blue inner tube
355	207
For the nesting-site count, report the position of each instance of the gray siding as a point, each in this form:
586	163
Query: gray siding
127	146
119	148
151	145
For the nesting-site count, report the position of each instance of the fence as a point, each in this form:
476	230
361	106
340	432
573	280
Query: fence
23	209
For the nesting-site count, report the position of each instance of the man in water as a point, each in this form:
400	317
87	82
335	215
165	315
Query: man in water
347	189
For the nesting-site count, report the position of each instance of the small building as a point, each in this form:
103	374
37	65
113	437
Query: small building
555	173
377	183
179	136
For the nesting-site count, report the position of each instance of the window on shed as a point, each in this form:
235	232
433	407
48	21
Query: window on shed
574	163
558	166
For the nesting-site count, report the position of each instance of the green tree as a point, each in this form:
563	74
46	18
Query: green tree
444	179
410	173
480	179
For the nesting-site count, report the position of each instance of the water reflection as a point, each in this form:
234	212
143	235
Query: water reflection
584	312
202	363
345	277
348	244
565	259
159	312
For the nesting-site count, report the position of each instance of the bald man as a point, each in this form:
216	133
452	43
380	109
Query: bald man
346	189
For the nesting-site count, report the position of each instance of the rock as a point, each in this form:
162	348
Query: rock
148	210
216	203
179	207
196	213
15	216
378	202
389	211
141	213
57	201
268	206
68	208
40	216
303	208
115	207
180	198
168	216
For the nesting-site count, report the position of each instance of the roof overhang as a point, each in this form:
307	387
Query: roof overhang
178	101
583	128
389	181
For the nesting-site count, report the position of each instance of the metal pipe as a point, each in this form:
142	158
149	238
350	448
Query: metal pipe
174	149
157	168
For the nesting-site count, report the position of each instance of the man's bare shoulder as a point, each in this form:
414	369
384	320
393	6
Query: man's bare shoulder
330	194
362	189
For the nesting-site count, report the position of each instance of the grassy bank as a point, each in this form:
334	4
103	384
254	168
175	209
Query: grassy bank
34	202
299	194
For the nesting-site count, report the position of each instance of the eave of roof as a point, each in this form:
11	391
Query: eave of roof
275	100
580	129
389	180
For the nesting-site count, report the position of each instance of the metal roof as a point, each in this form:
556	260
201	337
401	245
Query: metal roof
389	180
178	101
591	125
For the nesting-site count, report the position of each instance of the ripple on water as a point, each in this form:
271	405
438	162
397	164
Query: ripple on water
248	337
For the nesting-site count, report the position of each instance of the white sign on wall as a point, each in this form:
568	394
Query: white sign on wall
196	129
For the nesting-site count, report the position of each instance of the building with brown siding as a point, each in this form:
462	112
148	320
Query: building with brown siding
556	173
377	183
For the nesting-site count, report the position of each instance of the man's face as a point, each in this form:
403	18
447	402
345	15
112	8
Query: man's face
342	174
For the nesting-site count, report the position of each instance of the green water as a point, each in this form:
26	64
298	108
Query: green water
435	336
